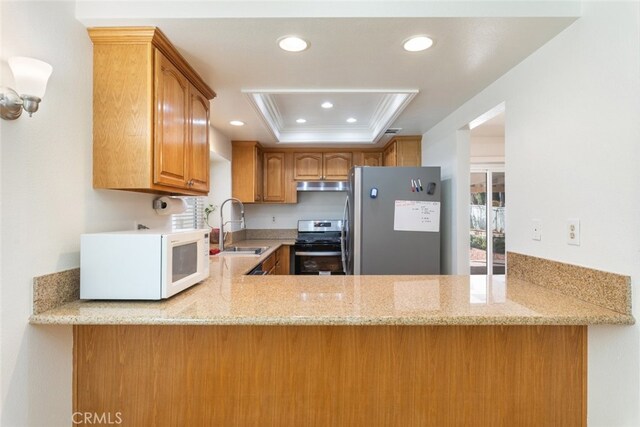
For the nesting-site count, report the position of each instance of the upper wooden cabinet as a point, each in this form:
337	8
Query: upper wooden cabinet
199	137
390	155
278	183
150	114
403	151
367	158
274	184
246	171
322	166
335	166
307	166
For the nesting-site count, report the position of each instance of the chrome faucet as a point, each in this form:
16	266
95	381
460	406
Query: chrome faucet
222	223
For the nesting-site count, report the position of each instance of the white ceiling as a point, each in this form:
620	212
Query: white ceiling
236	55
371	112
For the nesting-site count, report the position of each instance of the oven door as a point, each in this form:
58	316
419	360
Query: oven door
318	262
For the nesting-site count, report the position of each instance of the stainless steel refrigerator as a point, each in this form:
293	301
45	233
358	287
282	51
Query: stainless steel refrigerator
392	221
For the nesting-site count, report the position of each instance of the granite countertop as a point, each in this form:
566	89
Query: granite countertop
229	297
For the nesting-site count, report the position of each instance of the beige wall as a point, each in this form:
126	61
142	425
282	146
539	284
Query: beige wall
47	202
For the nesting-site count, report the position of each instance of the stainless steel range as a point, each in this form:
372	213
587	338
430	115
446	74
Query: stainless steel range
317	248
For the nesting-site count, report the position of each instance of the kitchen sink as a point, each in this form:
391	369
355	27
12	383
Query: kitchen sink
231	250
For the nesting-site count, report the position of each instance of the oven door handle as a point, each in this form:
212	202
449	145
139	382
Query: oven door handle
336	253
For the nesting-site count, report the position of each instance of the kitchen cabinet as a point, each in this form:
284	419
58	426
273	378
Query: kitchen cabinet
278	183
150	114
403	151
274	184
307	166
283	260
331	166
367	158
335	166
389	155
246	171
269	264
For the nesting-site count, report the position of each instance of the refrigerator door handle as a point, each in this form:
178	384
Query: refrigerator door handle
342	235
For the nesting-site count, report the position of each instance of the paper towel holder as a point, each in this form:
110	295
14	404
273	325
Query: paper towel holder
159	203
169	205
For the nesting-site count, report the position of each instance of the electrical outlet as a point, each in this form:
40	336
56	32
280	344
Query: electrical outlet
273	219
573	231
536	229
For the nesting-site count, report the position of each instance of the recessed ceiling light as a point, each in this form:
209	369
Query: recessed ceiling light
417	43
326	104
301	121
351	120
292	44
236	123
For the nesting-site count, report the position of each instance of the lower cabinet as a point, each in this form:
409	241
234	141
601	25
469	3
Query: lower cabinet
278	262
283	260
269	264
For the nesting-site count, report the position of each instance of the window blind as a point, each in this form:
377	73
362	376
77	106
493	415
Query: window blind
192	217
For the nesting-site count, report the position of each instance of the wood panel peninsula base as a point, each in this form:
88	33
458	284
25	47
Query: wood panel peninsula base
382	375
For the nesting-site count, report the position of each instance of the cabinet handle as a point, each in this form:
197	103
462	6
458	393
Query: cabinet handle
190	183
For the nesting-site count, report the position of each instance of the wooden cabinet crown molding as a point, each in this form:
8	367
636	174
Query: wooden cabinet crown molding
153	35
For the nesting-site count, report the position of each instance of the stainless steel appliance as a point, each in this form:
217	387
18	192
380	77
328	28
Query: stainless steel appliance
317	248
392	221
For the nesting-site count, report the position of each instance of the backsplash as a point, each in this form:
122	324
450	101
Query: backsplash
311	205
56	289
609	290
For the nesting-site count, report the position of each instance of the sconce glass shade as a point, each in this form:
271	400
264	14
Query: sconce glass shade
30	75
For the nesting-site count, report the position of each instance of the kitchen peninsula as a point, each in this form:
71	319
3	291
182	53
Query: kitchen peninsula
340	350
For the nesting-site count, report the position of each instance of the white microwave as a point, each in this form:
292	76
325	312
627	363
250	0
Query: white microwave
142	264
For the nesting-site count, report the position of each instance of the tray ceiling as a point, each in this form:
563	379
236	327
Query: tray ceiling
355	54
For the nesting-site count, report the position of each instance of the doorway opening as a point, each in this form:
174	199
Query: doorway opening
487	226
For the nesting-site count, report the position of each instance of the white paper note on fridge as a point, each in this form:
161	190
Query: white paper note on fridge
416	215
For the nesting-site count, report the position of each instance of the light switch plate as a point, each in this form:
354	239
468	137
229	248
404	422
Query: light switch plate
536	229
573	231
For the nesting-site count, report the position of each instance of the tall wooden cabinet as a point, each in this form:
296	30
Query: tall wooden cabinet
150	114
403	151
246	171
261	177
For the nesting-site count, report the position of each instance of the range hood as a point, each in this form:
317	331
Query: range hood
322	185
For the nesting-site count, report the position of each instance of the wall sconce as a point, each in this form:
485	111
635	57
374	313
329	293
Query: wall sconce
31	76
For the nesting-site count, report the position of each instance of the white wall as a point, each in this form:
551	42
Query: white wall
220	144
220	178
451	153
572	150
486	149
311	205
47	202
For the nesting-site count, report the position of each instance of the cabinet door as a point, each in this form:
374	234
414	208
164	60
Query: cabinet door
246	159
307	166
390	155
409	151
274	184
282	260
372	159
199	147
171	160
336	166
258	184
